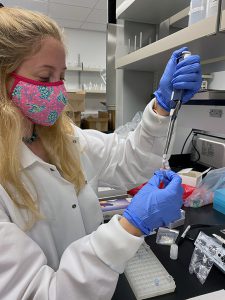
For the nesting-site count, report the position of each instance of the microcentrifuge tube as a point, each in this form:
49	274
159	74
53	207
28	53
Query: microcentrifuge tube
173	251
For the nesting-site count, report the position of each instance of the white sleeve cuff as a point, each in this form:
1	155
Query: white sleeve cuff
114	245
154	123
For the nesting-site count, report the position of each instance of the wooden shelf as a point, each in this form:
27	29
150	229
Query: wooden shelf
150	11
200	38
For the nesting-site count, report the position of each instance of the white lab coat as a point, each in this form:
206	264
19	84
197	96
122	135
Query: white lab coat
69	255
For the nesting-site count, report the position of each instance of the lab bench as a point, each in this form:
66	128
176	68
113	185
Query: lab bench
187	285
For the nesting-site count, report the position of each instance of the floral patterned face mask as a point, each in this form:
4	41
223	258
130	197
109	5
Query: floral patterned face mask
41	102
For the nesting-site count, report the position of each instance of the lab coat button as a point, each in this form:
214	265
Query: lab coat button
74	141
85	181
74	206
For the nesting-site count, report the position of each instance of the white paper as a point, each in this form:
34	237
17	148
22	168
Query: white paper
184	171
218	295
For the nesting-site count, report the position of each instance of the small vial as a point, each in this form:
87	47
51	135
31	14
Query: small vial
165	162
174	251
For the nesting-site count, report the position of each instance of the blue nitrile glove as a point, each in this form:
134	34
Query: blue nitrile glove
152	207
185	75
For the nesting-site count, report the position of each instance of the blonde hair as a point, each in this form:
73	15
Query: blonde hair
20	31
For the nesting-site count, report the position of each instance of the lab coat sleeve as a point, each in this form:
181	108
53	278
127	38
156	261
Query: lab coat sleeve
131	161
88	269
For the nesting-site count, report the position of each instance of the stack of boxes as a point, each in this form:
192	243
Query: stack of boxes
99	123
75	106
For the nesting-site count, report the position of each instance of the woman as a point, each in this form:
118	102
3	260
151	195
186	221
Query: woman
53	245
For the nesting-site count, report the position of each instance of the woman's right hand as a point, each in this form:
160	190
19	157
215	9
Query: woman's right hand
153	207
185	75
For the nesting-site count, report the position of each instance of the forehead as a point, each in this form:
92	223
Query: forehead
50	52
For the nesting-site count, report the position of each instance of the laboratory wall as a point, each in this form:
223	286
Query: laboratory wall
90	46
197	117
218	81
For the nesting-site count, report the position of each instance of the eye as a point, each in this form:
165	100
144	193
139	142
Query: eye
45	79
62	76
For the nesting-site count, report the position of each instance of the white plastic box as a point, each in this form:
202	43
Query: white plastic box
197	11
189	177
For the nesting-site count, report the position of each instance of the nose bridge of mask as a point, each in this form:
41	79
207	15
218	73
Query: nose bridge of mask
18	78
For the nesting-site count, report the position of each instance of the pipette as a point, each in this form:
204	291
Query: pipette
176	101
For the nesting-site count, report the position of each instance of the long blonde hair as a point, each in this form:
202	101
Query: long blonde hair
20	32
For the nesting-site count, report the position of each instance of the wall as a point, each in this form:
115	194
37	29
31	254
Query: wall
91	45
198	116
218	82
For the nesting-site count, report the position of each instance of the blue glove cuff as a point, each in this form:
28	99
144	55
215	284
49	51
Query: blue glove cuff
134	221
160	100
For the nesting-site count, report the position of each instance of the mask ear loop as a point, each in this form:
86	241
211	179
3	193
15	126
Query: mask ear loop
16	80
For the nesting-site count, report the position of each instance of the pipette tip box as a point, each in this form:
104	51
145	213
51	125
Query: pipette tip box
147	276
219	200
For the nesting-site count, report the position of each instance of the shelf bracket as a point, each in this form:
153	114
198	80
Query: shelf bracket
218	20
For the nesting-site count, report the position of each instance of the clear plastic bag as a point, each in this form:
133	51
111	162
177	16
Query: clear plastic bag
200	264
124	130
204	194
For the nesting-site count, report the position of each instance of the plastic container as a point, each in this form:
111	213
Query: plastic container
166	236
174	251
212	7
197	11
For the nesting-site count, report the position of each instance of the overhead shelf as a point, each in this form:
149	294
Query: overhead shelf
92	69
180	20
200	38
74	69
150	11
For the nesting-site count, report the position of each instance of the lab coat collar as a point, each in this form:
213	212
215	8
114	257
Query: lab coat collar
28	158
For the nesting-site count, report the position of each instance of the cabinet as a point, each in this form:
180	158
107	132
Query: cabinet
205	38
149	11
202	37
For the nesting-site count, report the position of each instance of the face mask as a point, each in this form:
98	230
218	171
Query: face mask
41	102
